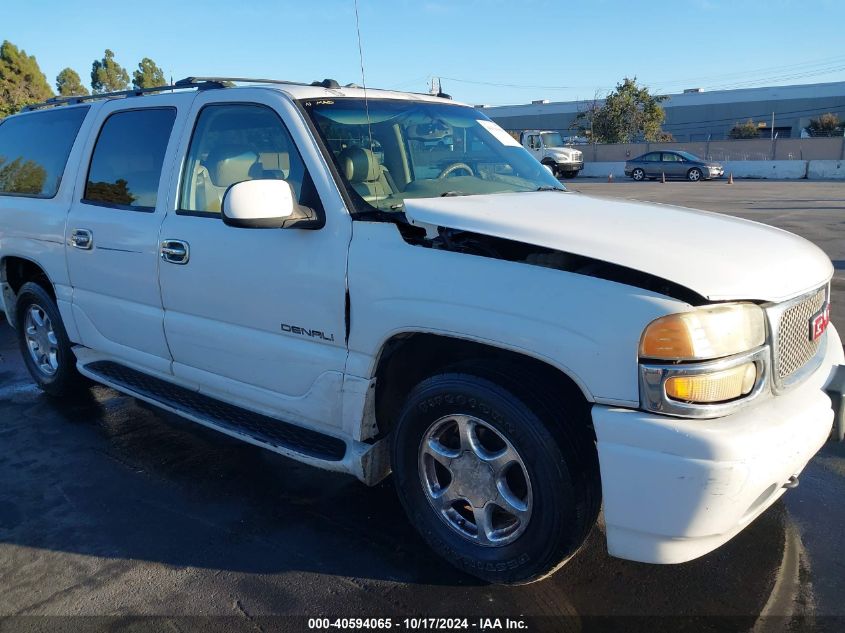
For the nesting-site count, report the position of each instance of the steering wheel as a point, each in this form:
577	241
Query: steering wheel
456	167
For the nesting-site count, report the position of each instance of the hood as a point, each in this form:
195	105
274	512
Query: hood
720	257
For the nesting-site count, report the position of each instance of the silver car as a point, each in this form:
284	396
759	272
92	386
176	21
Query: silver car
674	164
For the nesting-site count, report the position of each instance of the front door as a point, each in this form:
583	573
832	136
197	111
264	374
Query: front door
673	165
113	225
256	317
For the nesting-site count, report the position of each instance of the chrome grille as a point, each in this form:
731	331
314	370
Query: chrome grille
794	347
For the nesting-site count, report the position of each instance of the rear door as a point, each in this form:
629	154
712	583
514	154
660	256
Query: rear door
651	164
113	226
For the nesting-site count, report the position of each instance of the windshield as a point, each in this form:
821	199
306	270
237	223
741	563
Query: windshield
389	150
552	139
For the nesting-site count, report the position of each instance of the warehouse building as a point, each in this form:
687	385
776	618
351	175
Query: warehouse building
697	115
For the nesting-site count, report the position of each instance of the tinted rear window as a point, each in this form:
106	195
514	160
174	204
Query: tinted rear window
34	150
126	165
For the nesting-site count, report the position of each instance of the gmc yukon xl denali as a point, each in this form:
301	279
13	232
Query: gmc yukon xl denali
310	269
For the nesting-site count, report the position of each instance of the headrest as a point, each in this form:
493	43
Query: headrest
225	168
359	164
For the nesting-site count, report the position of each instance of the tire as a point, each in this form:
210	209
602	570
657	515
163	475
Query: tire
694	175
555	477
638	175
553	167
44	343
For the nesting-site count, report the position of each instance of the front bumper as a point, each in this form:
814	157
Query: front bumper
716	172
577	165
675	489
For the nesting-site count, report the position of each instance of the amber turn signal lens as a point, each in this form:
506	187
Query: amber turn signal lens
717	386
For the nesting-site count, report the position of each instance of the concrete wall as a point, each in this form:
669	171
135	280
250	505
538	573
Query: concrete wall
736	150
826	169
777	169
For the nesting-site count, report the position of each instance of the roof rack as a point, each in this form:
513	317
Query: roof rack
200	83
137	92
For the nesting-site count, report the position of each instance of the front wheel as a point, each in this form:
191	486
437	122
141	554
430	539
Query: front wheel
44	343
487	481
638	174
694	174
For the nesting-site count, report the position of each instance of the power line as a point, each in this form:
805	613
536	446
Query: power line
781	67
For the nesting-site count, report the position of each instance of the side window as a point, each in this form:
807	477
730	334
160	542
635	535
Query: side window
237	142
651	158
126	165
34	149
672	158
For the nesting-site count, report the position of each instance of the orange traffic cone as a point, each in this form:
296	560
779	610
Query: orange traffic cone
731	178
663	177
610	178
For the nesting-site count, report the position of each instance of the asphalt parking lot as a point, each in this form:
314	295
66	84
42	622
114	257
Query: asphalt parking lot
111	508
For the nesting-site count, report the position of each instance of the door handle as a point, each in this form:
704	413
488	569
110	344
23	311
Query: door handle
175	251
82	239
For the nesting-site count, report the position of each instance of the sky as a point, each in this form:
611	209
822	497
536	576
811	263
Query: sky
492	52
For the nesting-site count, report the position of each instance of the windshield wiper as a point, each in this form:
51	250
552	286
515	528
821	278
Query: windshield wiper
448	194
545	188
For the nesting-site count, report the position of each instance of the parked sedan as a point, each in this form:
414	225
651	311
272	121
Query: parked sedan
673	163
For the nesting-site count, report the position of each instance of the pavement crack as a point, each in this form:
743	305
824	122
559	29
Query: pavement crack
238	605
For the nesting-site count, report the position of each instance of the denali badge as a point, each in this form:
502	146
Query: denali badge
304	331
819	321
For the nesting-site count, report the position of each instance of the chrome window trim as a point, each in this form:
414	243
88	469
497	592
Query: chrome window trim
653	377
774	312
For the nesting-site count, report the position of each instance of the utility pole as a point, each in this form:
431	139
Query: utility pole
773	126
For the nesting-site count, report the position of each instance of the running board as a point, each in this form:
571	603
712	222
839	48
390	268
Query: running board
221	415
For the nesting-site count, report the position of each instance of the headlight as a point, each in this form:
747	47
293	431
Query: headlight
705	333
704	363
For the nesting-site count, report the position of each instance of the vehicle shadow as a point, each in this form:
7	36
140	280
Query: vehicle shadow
107	477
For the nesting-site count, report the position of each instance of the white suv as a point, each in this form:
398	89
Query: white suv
376	282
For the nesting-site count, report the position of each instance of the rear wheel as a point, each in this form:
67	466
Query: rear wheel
44	343
638	174
492	483
694	174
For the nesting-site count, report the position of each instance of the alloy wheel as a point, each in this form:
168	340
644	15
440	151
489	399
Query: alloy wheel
475	480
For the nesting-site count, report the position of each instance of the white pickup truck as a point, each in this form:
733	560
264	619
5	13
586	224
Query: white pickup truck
550	149
376	282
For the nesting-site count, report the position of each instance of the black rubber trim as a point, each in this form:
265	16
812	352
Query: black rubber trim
836	391
226	416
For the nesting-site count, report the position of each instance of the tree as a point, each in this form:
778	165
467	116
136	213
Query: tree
148	75
627	114
826	125
21	80
749	129
69	84
22	176
107	75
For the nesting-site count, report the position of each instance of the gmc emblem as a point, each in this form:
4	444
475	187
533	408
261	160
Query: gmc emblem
818	322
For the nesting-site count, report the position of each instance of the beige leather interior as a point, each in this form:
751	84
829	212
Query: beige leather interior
229	165
363	171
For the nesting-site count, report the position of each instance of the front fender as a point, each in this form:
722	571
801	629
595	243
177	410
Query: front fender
588	328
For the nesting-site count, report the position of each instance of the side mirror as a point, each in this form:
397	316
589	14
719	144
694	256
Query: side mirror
266	204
